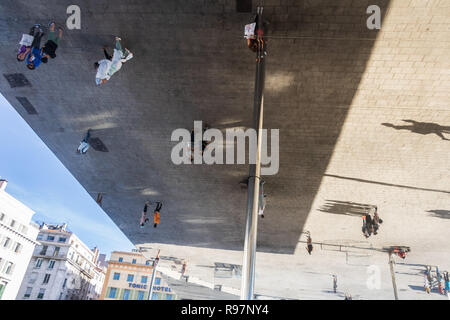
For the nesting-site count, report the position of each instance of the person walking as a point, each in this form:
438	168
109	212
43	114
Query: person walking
309	246
27	41
261	199
447	284
119	57
183	269
366	225
144	218
426	284
84	144
34	58
49	49
112	63
102	67
254	33
376	221
157	218
334	283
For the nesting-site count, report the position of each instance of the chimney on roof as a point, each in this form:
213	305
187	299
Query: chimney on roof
3	184
63	227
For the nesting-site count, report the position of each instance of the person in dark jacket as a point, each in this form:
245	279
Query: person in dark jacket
309	246
144	218
256	42
34	58
84	144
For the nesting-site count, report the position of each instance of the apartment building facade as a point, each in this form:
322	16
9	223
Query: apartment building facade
62	268
17	242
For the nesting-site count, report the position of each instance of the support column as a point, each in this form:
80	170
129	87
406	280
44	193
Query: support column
248	266
394	284
152	281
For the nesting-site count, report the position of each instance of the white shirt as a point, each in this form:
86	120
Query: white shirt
102	71
84	146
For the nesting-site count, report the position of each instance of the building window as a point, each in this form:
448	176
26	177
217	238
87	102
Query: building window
134	261
169	296
56	252
41	293
46	278
143	279
147	263
126	294
28	292
43	251
2	216
50	238
112	293
9	267
155	296
38	263
140	295
13	223
120	259
18	248
40	236
130	278
23	229
116	276
33	277
2	288
64	284
62	239
51	264
6	242
158	281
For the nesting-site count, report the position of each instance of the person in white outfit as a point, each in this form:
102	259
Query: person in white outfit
107	67
84	144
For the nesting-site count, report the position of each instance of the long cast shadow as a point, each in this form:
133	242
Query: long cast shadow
346	208
443	214
423	128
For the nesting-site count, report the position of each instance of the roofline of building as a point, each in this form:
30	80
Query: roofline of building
129	253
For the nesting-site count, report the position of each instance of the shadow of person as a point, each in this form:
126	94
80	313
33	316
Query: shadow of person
422	128
444	214
346	208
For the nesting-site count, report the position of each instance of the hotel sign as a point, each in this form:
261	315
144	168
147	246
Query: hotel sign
138	286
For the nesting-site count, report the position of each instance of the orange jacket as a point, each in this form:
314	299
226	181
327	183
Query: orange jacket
156	219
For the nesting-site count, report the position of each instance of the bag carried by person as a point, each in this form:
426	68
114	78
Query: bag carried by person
249	31
26	40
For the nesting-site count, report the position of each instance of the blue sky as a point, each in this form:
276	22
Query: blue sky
39	180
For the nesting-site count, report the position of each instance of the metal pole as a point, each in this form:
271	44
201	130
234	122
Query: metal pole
248	266
394	284
155	264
